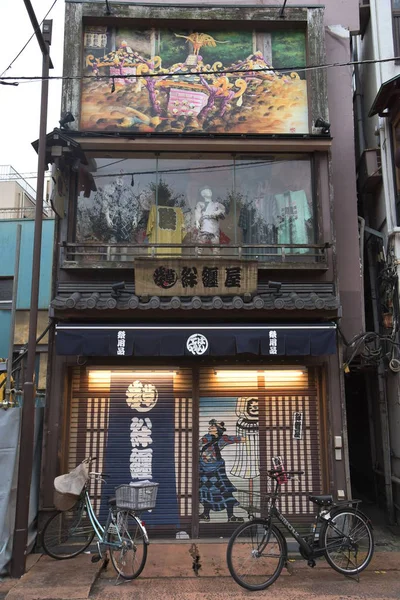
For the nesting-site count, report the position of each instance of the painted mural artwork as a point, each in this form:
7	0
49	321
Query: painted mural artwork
165	81
247	460
216	490
229	459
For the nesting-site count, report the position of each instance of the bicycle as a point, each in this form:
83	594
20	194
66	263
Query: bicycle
70	532
257	550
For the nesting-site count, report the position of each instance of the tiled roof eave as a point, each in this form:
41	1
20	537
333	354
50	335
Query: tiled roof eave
80	302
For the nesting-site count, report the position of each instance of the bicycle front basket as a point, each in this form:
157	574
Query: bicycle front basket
64	501
254	502
137	496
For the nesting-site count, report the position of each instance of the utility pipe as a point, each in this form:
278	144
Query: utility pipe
13	313
25	465
382	474
382	398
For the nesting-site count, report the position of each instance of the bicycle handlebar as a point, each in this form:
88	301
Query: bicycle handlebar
274	473
97	474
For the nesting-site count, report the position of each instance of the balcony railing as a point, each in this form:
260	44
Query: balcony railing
8	173
24	213
275	256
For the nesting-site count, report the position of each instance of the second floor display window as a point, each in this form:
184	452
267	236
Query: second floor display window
200	204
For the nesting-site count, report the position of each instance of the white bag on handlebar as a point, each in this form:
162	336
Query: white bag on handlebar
73	482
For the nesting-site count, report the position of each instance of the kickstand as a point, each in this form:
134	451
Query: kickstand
120	580
289	567
355	577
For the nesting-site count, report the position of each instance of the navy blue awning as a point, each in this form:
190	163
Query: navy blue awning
195	340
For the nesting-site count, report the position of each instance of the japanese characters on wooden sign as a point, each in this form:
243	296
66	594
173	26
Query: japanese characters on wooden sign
297	425
194	277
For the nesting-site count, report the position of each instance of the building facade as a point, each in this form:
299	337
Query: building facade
208	248
377	118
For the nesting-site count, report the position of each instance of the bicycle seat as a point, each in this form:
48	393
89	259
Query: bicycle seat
112	501
322	500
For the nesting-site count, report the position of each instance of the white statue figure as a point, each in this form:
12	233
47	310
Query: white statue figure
207	216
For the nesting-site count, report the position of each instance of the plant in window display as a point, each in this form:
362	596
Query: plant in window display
114	214
165	195
257	217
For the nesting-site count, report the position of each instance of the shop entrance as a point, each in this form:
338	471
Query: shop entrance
207	436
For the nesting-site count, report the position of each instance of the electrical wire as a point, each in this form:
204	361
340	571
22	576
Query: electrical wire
194	73
205	168
23	48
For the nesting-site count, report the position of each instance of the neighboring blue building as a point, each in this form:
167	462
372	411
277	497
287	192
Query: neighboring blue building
17	206
8	232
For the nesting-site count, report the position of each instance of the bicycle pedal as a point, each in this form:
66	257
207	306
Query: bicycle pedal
96	558
311	563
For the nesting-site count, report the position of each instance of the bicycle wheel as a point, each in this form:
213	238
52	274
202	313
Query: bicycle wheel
256	555
67	533
130	557
348	541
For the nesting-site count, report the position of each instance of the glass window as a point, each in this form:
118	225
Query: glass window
274	200
114	200
199	204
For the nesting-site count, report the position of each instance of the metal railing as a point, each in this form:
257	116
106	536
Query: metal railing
16	399
95	254
8	173
24	213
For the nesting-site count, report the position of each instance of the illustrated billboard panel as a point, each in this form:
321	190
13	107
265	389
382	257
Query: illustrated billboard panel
170	81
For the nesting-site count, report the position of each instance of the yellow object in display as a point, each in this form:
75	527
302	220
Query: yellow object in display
165	226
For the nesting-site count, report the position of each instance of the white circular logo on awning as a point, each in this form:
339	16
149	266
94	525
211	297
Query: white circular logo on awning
197	344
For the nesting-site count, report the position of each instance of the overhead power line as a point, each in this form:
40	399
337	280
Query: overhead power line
25	45
26	78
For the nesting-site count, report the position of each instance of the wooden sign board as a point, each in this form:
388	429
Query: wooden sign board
194	277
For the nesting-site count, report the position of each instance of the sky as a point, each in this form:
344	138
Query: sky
20	106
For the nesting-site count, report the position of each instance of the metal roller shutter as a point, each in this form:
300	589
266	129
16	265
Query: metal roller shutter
259	414
145	423
138	423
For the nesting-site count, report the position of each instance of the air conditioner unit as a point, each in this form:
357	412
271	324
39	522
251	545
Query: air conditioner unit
370	170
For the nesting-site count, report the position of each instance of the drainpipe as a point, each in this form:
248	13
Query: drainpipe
382	400
13	312
361	222
359	100
394	478
383	126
